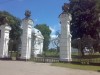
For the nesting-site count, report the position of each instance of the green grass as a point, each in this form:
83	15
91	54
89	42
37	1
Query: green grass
51	54
76	66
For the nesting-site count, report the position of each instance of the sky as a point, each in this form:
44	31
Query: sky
42	11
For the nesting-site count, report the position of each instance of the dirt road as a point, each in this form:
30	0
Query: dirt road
31	68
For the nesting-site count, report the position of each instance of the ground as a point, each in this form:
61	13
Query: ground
32	68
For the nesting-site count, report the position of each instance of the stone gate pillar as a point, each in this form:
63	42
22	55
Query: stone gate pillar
65	39
4	40
26	37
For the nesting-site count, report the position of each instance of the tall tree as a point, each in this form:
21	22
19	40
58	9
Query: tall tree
85	20
45	30
85	17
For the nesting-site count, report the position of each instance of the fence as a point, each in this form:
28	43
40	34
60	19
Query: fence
45	59
87	59
50	56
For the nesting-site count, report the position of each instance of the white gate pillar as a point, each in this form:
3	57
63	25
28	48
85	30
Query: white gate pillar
65	39
26	38
4	40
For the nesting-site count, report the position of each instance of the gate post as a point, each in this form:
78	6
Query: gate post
4	40
65	39
26	36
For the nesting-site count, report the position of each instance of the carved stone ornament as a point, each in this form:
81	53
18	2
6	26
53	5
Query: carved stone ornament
3	20
27	14
65	7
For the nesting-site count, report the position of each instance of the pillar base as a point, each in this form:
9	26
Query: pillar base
24	58
2	56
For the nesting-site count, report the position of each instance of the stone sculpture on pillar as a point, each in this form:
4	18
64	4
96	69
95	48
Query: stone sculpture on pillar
4	37
26	36
37	43
65	39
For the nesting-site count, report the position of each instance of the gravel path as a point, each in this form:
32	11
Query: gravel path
31	68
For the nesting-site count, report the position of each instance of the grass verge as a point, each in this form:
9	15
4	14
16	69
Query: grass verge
76	66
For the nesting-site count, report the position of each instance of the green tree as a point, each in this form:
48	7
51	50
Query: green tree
85	17
45	30
85	20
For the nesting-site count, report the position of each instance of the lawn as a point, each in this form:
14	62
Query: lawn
76	66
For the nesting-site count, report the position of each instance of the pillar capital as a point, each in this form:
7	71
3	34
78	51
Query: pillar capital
65	17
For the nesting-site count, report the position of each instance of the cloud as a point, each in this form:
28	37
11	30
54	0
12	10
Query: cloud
53	30
53	36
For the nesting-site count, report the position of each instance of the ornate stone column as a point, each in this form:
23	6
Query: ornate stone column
65	39
26	36
4	40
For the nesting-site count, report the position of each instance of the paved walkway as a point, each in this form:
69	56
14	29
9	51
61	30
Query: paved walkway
31	68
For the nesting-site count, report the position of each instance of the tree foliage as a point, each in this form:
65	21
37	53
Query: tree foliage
85	19
45	30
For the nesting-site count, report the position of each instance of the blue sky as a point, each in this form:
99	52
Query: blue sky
43	11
